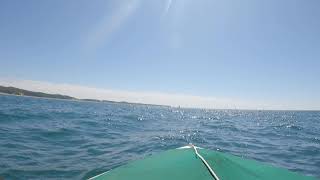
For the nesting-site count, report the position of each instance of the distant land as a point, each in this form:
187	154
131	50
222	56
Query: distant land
23	92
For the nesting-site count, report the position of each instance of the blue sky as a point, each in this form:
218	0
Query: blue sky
251	51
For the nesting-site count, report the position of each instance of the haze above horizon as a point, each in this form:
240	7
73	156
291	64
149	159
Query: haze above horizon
207	54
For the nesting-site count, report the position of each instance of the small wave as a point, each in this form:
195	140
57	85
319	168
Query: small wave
44	139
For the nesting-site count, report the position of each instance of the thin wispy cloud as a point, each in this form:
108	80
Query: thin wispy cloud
109	24
167	7
176	10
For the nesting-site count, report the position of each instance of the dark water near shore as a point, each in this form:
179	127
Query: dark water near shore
56	139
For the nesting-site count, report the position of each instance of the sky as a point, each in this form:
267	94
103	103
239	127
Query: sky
247	54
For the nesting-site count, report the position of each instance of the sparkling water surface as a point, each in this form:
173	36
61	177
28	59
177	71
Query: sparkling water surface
59	139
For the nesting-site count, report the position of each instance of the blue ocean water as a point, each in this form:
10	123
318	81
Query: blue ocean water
59	139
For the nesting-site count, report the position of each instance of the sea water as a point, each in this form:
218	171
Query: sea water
61	139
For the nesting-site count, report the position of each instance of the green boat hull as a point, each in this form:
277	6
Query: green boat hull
185	165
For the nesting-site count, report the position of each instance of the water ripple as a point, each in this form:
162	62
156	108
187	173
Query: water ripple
54	139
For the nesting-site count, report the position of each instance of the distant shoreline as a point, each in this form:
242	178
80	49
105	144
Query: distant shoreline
13	91
8	94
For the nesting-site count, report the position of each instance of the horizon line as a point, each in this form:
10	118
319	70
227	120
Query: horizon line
144	104
152	98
